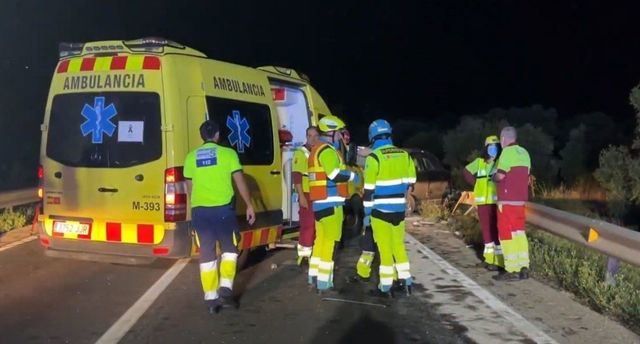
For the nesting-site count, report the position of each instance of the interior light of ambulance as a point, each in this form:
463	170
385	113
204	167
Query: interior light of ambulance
175	195
279	94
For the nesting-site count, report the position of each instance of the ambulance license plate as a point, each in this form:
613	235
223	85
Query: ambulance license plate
71	228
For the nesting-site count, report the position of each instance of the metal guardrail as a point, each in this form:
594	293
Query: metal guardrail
604	237
13	198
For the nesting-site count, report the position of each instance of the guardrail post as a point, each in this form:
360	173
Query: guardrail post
613	266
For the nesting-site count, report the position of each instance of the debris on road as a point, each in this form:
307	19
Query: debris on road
354	302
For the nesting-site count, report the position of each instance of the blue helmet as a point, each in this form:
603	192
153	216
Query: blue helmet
379	127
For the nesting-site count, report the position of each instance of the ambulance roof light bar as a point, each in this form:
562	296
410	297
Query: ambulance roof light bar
66	49
151	44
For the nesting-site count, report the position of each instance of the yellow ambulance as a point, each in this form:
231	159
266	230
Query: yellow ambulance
121	117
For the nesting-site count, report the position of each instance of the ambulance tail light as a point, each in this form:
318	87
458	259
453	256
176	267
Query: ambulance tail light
160	251
40	182
175	195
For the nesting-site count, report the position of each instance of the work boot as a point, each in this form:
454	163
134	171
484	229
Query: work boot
213	306
524	273
355	278
404	285
487	266
506	276
382	294
229	302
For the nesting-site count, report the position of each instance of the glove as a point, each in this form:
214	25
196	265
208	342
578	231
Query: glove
367	221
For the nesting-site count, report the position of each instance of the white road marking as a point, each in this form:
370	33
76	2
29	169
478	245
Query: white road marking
20	242
120	328
489	299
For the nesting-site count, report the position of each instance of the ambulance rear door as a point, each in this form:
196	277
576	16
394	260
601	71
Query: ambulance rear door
294	116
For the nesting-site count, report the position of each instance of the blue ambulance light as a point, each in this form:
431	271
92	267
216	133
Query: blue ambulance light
70	49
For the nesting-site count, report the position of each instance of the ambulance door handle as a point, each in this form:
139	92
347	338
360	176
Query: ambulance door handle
58	174
275	172
108	190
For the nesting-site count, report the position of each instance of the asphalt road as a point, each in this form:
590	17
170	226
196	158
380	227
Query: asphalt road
57	300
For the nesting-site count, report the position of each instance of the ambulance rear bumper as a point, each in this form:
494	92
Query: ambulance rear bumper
175	244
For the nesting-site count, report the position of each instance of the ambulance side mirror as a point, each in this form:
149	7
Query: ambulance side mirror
284	136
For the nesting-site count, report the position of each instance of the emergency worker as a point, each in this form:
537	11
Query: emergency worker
328	190
512	179
479	173
388	174
301	184
211	168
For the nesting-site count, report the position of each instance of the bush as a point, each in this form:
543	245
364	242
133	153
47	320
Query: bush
582	272
10	220
468	228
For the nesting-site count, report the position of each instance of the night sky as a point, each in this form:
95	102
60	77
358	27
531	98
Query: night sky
419	60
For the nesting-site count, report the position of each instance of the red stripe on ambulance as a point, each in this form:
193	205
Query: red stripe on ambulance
145	234
114	231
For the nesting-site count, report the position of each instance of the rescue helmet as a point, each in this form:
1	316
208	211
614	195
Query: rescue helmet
330	123
379	127
493	139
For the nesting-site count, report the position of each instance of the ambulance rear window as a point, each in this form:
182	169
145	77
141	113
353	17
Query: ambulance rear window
108	129
245	127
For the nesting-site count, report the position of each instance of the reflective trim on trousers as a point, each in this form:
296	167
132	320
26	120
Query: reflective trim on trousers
211	295
326	265
386	269
226	283
324	277
208	266
386	281
304	251
230	256
313	266
403	270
